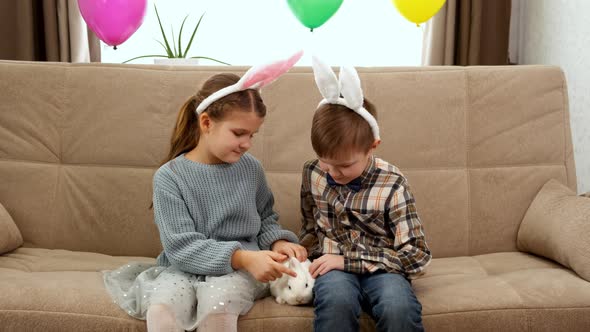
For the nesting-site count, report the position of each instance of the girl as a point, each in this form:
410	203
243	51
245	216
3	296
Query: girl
214	212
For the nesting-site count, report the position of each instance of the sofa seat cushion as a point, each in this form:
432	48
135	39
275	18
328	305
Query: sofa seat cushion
59	290
510	291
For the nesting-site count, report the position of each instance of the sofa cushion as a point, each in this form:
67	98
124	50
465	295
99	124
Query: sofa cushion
508	291
557	226
60	290
10	237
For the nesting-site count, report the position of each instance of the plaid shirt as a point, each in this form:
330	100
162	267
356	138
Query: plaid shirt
376	228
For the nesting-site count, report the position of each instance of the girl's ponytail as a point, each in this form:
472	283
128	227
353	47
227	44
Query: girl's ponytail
185	135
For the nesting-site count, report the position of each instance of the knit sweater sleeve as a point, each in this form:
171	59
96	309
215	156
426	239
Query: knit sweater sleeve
270	230
185	248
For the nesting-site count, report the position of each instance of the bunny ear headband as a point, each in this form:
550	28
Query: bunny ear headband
255	78
349	87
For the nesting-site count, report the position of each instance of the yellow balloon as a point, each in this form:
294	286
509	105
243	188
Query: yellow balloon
418	11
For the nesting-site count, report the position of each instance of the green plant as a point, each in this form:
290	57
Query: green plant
172	52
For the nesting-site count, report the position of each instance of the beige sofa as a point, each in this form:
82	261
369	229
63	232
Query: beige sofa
79	144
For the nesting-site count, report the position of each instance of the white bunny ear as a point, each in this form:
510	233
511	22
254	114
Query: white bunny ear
326	80
306	264
294	263
351	87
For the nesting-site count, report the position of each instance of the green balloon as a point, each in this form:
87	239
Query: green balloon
314	13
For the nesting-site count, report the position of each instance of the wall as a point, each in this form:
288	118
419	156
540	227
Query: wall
556	32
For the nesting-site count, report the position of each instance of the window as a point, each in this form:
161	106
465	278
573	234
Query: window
248	32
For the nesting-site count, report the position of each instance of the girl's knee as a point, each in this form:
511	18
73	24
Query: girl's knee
160	317
159	310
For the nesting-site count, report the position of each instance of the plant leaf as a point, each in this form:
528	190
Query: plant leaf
193	36
180	54
173	42
147	56
208	58
165	49
168	50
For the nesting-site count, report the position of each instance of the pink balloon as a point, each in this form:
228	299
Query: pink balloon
113	21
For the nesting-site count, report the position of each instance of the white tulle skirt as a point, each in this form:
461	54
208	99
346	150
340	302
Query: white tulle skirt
136	286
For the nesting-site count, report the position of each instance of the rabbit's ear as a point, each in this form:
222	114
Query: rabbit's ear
294	263
259	76
306	264
351	87
255	78
326	80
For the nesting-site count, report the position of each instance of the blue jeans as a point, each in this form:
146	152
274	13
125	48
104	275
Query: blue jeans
388	298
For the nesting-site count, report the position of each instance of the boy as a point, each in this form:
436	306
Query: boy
359	217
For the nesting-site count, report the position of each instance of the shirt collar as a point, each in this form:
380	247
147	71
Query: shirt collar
358	183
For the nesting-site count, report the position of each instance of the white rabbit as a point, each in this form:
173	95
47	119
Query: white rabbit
294	290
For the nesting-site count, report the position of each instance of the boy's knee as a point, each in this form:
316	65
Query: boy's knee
406	315
339	308
399	309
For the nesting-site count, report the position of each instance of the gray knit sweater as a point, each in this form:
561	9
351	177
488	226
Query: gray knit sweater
206	212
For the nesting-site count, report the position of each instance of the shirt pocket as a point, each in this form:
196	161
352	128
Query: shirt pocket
370	222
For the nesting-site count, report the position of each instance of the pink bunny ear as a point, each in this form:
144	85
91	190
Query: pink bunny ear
257	77
254	78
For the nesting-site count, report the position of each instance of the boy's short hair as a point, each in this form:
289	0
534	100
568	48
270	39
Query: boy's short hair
337	130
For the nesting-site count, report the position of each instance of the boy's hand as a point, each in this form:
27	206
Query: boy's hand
264	265
325	264
290	249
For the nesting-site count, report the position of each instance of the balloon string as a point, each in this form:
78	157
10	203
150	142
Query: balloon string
115	47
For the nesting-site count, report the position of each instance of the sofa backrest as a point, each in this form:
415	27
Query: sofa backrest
79	144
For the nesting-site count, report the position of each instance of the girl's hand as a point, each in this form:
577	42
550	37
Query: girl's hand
325	264
264	265
290	249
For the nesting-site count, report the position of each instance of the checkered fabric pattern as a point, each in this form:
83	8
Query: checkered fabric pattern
374	228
